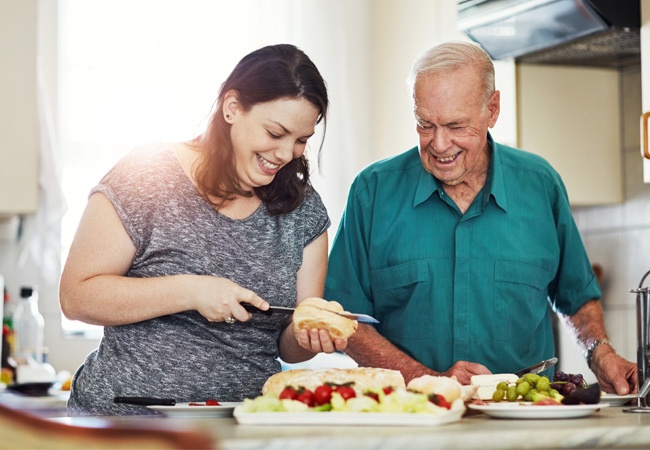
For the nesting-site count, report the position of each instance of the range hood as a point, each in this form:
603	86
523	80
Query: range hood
568	32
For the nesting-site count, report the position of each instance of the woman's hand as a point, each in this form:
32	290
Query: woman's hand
219	300
319	341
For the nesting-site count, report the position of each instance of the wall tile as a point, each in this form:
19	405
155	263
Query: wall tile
606	217
606	249
636	258
636	209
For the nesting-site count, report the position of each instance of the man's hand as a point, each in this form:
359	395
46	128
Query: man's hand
465	370
615	374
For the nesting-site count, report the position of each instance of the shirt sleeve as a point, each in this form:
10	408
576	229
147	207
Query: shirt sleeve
348	275
575	283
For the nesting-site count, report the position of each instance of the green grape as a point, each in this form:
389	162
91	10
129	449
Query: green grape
498	395
523	388
543	384
530	394
511	393
503	385
532	378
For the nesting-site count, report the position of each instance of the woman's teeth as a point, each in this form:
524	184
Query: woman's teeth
267	164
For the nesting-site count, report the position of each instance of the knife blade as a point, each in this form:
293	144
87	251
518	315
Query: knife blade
145	401
537	368
363	318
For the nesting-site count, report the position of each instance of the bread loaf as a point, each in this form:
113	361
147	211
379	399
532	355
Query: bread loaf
320	314
364	378
449	388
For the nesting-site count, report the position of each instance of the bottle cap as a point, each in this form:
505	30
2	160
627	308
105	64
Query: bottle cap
26	291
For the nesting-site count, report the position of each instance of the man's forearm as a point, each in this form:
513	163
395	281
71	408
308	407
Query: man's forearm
370	349
587	324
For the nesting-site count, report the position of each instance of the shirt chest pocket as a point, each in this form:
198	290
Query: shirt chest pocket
402	296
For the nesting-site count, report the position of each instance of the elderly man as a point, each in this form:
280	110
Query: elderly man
463	247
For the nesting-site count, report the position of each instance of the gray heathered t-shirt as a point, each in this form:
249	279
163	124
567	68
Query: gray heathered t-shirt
175	231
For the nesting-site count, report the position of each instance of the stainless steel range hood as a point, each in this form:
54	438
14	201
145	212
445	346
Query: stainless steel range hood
569	32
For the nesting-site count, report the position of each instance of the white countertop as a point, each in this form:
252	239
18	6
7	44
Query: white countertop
606	428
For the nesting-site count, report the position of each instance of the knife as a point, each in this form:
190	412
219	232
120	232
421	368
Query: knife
537	368
145	401
363	318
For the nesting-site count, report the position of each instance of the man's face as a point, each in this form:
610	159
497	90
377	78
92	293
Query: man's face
452	123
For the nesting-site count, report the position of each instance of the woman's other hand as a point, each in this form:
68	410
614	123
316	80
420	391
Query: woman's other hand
319	341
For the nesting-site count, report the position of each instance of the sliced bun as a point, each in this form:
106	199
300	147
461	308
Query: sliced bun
318	313
449	388
364	378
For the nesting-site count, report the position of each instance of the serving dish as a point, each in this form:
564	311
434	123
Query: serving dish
34	389
617	400
514	410
347	418
184	410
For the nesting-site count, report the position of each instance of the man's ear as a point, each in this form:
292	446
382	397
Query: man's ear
230	106
494	107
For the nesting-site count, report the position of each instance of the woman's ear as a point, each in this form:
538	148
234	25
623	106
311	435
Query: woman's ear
230	106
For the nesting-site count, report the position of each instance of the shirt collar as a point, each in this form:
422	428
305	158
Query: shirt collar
494	188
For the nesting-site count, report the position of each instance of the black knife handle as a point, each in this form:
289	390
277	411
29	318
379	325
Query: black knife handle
250	308
145	401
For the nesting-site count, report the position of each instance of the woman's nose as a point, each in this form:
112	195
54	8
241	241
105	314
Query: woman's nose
285	151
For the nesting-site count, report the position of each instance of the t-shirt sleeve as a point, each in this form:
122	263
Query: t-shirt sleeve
132	186
317	220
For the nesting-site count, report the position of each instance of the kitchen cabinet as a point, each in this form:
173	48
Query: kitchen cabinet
570	115
645	86
19	135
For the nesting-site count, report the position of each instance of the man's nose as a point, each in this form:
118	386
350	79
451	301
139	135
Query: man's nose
440	140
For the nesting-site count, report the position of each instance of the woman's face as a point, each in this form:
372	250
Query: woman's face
268	136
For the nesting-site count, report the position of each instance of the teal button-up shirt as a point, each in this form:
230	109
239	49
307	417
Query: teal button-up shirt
448	286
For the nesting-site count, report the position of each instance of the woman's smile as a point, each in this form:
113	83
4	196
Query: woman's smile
267	166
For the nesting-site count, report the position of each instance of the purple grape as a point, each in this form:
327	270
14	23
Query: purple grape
560	376
568	388
576	379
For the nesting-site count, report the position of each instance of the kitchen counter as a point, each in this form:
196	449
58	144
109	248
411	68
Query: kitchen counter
606	428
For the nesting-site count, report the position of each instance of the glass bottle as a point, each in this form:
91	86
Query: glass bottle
29	328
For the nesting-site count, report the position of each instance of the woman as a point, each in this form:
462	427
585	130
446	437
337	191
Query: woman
176	237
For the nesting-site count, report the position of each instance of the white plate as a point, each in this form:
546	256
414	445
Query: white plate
347	418
617	400
225	409
513	410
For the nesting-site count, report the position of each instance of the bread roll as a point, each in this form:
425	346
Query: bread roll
364	378
449	388
317	313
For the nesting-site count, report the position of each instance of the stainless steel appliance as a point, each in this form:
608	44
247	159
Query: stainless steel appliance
643	346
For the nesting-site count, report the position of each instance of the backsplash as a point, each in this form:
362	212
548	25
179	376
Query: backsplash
617	237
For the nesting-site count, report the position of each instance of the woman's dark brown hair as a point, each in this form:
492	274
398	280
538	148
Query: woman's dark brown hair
267	74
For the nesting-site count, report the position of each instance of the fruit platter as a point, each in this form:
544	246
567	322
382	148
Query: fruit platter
537	397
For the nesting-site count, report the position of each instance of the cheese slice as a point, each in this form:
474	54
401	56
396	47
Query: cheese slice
487	384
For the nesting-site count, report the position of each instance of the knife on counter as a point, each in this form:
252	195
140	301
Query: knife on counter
363	318
537	368
145	401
